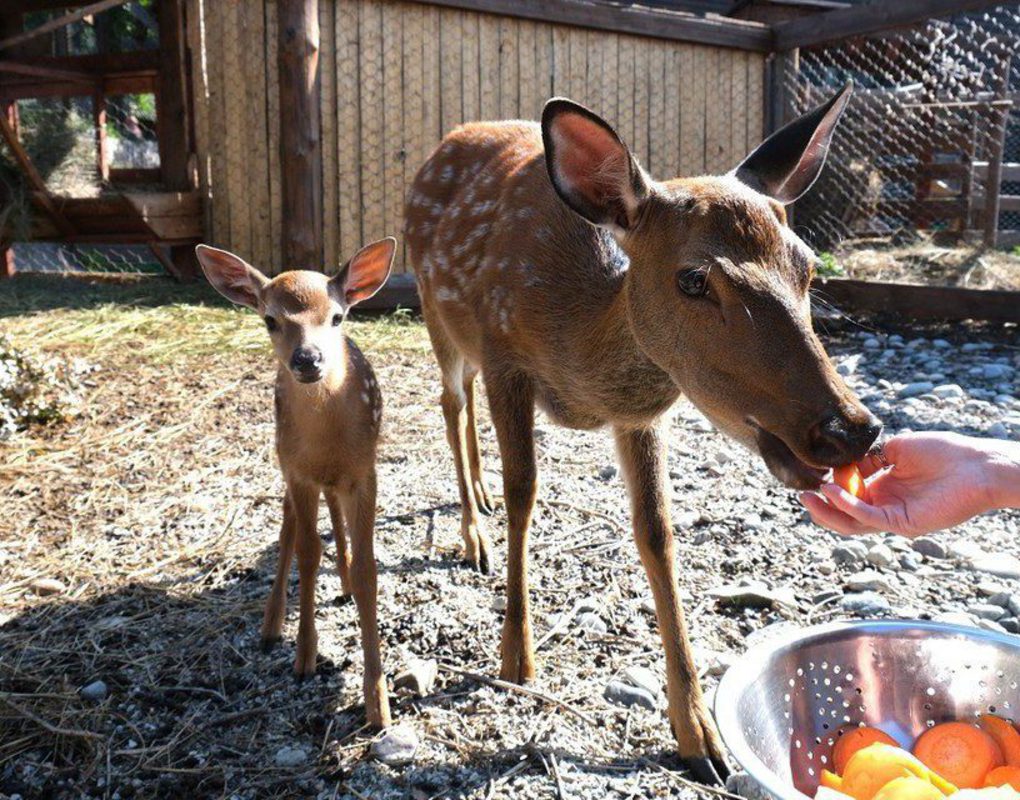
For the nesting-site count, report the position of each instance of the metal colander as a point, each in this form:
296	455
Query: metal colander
780	706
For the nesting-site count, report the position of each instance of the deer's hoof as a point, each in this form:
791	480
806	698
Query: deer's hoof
267	643
483	499
706	770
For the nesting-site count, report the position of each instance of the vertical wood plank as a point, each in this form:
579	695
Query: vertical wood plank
692	110
625	104
578	80
432	127
373	192
220	202
642	107
348	116
256	134
393	120
544	65
509	75
234	92
531	94
717	86
272	48
671	86
658	156
197	46
451	86
738	110
755	101
489	66
472	100
172	98
414	106
327	68
561	61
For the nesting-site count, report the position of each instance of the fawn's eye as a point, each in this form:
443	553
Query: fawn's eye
692	282
271	324
337	319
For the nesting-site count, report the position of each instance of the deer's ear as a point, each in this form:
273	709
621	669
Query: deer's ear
232	277
590	168
786	164
366	272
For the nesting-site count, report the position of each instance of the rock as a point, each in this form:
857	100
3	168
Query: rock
988	588
776	629
826	596
825	567
948	390
986	611
47	586
1013	606
743	785
872	344
909	562
1000	599
419	677
998	431
642	678
94	692
881	555
498	603
866	604
956	618
850	553
290	757
991	625
914	389
1002	565
1010	624
869	581
993	372
591	622
608	473
396	746
623	694
753	595
965	550
928	547
686	520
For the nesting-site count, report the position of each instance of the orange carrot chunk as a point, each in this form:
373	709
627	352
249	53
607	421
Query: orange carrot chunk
853	739
849	477
961	753
1005	736
910	788
1004	776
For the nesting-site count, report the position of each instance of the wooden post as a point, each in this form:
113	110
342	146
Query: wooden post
171	98
99	120
993	182
300	136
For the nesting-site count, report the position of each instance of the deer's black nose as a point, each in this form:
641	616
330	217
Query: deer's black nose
306	360
841	438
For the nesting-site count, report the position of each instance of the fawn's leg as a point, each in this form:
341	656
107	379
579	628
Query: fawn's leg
276	605
642	460
511	401
454	401
343	556
482	497
308	546
359	508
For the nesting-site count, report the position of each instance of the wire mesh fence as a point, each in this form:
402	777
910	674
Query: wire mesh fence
61	257
916	158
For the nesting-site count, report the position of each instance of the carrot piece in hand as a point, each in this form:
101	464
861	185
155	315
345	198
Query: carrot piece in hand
1004	776
961	753
1005	736
853	739
849	477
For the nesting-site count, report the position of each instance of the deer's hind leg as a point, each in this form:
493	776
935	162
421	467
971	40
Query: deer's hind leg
477	548
482	497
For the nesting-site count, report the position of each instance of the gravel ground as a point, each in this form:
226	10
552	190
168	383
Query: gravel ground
132	578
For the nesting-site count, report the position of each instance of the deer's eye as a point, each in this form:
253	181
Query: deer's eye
692	282
337	319
271	324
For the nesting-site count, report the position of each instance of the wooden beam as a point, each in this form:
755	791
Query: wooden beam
654	22
300	135
866	19
59	22
921	302
993	180
98	64
171	100
117	84
34	70
41	195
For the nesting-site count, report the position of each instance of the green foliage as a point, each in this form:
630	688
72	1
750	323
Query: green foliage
828	267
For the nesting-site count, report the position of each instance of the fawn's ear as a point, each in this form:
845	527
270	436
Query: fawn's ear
786	164
233	277
591	169
366	272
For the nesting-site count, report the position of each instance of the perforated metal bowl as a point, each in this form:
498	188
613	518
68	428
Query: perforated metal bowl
780	706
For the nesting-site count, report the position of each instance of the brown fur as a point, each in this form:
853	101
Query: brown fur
555	311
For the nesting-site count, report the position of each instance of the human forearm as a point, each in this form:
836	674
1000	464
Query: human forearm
1004	473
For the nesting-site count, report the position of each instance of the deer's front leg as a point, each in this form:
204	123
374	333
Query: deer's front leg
276	605
642	459
359	508
305	499
512	404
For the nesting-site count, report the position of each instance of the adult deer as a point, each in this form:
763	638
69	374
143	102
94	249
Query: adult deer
551	261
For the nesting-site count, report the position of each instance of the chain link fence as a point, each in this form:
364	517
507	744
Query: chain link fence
931	114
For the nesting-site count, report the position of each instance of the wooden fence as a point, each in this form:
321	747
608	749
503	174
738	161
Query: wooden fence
395	76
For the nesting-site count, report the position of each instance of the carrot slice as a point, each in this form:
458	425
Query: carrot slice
849	477
872	767
961	753
830	780
853	739
1005	736
1004	776
911	788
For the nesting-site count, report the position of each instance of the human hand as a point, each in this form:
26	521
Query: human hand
934	481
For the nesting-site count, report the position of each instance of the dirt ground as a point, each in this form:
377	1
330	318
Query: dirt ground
157	511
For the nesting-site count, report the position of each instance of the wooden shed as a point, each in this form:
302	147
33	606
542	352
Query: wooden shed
686	92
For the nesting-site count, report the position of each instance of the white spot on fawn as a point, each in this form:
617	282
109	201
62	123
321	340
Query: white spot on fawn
447	294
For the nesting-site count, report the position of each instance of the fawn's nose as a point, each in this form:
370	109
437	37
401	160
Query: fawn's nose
841	438
306	361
